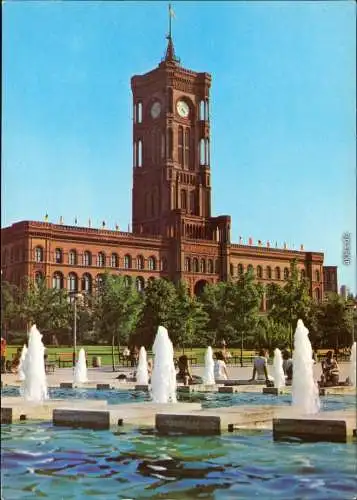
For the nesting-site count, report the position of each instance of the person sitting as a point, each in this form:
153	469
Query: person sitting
260	368
126	353
287	365
220	367
16	361
330	370
184	374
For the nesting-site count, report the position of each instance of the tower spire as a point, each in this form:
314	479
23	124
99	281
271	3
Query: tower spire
170	50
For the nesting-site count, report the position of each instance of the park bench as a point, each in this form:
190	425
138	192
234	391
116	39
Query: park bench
50	366
64	358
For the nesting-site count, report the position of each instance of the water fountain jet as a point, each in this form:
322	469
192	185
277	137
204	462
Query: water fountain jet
305	392
34	387
279	376
208	376
21	373
163	378
80	371
142	375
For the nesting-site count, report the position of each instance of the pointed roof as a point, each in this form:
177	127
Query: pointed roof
170	55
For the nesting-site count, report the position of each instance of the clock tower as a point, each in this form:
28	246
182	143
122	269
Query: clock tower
171	147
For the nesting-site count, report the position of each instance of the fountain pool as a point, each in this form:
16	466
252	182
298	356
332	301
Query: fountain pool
40	460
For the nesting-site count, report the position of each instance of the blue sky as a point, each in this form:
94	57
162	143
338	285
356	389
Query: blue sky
282	112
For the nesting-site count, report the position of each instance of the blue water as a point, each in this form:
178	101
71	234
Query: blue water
40	461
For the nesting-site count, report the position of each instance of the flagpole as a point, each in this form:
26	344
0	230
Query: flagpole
170	20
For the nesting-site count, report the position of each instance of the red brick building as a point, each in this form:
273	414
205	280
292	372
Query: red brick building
174	233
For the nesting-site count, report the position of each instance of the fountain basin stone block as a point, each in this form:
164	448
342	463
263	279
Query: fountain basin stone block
6	415
334	427
196	388
240	382
274	390
144	388
89	419
228	389
324	391
66	385
103	386
188	424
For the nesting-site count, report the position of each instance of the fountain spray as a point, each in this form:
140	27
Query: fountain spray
163	378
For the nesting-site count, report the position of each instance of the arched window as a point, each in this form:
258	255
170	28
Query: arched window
216	265
187	264
202	152
210	266
140	153
231	269
195	265
87	258
140	284
38	278
58	256
139	262
127	281
127	262
268	272
317	276
250	268
152	264
72	282
202	266
99	282
140	112
240	269
277	273
180	146
183	199
114	260
163	264
317	294
202	110
169	142
302	274
286	273
39	254
101	259
72	258
57	280
259	272
187	147
87	283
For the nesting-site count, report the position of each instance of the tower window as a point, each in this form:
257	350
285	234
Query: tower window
187	147
140	153
317	276
180	146
140	112
202	110
183	199
169	143
193	202
202	152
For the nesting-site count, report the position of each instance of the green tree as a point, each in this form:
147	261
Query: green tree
117	306
245	296
48	308
215	303
188	319
290	302
334	322
159	300
9	305
271	334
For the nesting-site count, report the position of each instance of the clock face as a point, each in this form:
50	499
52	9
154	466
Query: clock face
183	109
155	109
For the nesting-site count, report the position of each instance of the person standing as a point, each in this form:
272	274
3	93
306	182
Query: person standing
3	354
220	367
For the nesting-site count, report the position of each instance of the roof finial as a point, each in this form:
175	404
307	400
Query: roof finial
171	16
